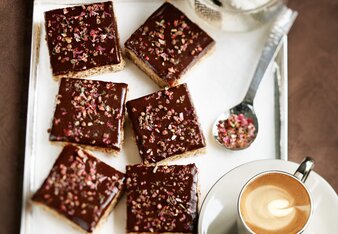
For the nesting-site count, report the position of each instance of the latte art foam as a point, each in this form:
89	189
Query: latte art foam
280	208
275	203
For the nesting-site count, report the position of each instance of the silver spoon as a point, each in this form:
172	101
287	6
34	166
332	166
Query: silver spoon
280	27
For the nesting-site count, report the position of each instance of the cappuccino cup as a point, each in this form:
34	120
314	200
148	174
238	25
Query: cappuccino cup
276	202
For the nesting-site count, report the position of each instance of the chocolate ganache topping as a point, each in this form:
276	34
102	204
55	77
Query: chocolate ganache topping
80	187
165	124
90	113
82	37
169	43
162	199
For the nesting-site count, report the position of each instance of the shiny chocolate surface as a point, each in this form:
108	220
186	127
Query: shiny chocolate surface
90	113
169	43
82	37
80	187
165	124
162	199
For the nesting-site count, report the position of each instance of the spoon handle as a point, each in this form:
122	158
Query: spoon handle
280	27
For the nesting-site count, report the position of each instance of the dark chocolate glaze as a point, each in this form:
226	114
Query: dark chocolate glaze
89	113
162	198
169	43
82	37
165	124
80	187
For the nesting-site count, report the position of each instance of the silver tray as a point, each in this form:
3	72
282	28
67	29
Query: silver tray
227	72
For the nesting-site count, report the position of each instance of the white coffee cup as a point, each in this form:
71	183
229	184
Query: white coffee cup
276	201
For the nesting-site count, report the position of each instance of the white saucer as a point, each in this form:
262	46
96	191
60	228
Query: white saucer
218	213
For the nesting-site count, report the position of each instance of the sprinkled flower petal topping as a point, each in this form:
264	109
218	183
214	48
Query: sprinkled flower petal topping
169	43
80	187
90	113
82	37
237	131
165	124
162	199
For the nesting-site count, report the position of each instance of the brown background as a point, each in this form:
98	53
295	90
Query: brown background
313	94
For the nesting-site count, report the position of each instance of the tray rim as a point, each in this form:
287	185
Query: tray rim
281	60
30	124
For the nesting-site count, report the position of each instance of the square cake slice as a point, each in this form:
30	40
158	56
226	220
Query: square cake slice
167	45
166	125
80	188
162	199
83	40
90	113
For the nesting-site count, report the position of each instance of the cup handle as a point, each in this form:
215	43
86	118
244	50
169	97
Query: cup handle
304	169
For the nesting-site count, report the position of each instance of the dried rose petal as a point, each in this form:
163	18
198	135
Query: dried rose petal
237	131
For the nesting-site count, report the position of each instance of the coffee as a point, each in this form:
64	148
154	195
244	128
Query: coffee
275	203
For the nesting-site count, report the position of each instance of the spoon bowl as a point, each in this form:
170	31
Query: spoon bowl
243	108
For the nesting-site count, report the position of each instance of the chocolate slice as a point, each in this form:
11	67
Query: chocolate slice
162	199
167	45
83	40
90	113
80	188
166	125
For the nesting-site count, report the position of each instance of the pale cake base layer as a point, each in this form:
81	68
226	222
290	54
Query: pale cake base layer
146	69
165	161
92	71
184	155
37	38
89	147
74	225
159	81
